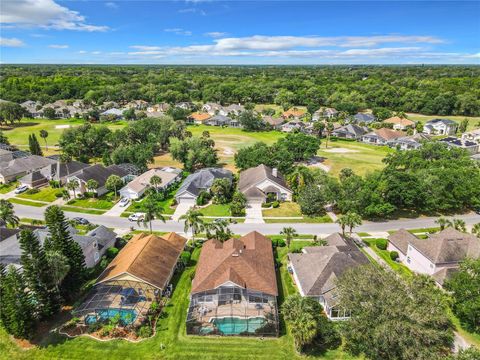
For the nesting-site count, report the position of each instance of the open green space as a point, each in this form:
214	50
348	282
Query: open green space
46	194
216	210
82	210
385	255
286	209
305	219
359	157
26	202
473	121
100	203
171	341
6	188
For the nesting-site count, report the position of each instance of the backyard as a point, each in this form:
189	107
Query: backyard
171	342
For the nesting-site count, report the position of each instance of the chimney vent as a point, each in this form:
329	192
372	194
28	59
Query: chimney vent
275	172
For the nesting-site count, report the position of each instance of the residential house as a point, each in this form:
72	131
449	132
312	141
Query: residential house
471	146
473	135
94	243
362	118
118	113
400	123
137	187
381	136
214	109
259	182
185	105
294	114
198	118
58	171
324	113
32	107
350	131
409	142
439	255
158	108
13	169
136	278
100	174
200	180
275	123
440	127
235	288
294	125
221	120
137	105
234	109
316	270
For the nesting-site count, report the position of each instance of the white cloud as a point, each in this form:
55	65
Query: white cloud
178	31
82	52
58	46
96	52
192	11
111	5
11	42
145	47
44	14
216	34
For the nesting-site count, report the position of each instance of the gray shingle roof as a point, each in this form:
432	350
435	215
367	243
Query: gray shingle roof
351	129
401	238
202	180
25	164
99	173
251	177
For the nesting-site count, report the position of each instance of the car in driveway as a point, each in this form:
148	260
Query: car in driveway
81	221
136	217
123	202
21	189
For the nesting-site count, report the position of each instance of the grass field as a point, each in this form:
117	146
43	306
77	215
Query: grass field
286	209
171	342
92	203
46	194
82	210
6	188
306	219
216	210
26	202
474	122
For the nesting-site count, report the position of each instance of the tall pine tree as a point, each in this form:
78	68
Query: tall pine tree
17	309
38	275
34	145
61	240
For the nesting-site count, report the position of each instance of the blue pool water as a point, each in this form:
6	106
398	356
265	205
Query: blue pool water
235	325
127	316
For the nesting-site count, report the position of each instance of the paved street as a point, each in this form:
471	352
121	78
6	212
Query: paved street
272	228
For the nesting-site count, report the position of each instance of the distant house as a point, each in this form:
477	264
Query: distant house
234	109
137	187
258	182
118	113
294	125
316	270
471	146
440	127
294	114
185	105
439	255
32	107
13	169
324	113
137	105
214	109
100	174
400	123
198	118
473	135
58	171
221	120
235	288
350	131
381	136
200	180
409	142
158	108
94	244
136	278
275	123
362	118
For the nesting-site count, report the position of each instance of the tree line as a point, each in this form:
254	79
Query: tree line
440	90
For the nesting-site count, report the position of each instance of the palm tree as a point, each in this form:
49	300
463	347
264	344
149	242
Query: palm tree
44	135
442	222
218	230
152	210
155	181
476	230
299	177
329	129
92	185
459	225
193	221
7	214
73	185
353	220
343	222
289	233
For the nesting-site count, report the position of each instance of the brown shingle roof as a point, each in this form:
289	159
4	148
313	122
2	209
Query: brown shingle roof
251	177
389	134
247	262
400	121
197	116
150	258
401	238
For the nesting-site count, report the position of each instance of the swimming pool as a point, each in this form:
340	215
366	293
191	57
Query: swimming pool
235	325
127	316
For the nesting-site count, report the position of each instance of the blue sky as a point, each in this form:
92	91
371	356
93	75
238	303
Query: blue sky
239	32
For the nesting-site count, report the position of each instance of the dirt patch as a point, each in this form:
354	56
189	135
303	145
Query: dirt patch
340	150
321	166
228	151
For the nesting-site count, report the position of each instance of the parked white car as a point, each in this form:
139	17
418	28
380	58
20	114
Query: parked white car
136	217
21	189
124	202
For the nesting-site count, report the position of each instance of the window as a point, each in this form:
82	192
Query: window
96	256
408	259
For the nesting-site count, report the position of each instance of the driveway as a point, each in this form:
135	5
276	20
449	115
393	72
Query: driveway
116	210
253	213
182	208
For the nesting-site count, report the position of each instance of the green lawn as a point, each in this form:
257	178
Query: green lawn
286	209
216	210
92	203
171	342
46	194
359	157
474	122
137	206
306	219
6	188
83	211
26	202
385	255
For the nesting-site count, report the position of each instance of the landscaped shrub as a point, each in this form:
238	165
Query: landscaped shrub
54	184
280	243
275	204
382	244
185	257
173	202
121	242
94	327
266	205
394	255
58	194
271	197
144	331
111	252
203	198
32	191
72	323
107	330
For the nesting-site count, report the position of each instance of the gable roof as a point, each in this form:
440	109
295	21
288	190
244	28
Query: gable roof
251	177
62	169
400	121
100	173
202	179
24	164
353	129
386	134
150	258
143	181
295	112
363	117
198	116
273	121
247	262
441	121
401	238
